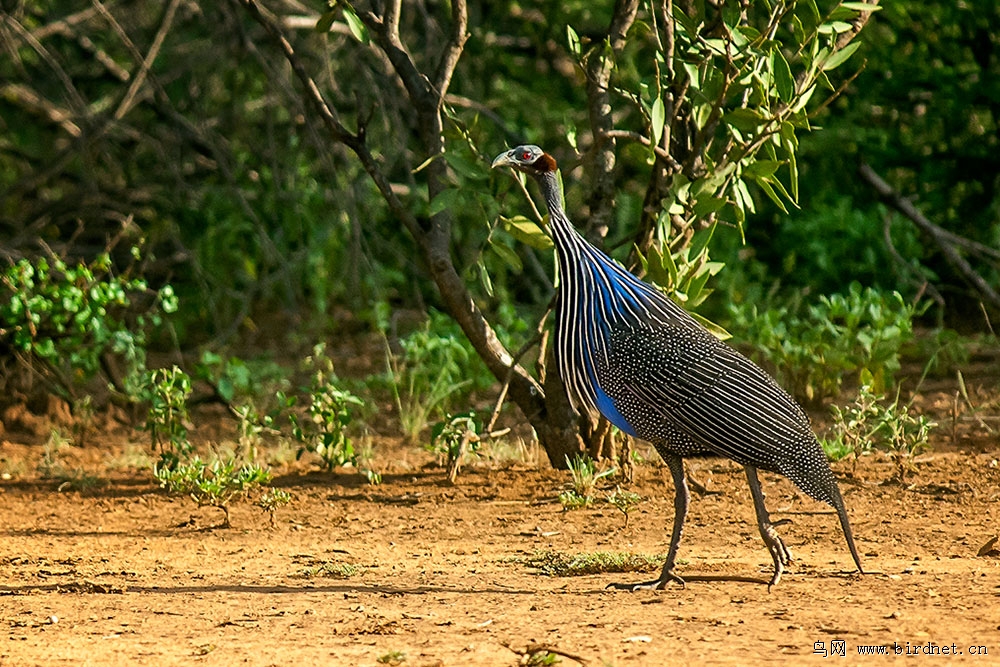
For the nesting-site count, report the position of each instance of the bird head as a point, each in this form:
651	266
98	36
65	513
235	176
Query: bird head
529	159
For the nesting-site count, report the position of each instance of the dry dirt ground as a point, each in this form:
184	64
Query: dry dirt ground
121	573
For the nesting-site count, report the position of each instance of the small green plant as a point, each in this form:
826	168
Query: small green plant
271	500
571	500
624	501
167	391
215	484
558	564
454	437
64	318
905	436
872	422
854	426
325	432
392	658
251	426
366	459
583	482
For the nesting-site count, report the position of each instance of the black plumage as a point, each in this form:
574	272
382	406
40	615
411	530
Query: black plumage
626	351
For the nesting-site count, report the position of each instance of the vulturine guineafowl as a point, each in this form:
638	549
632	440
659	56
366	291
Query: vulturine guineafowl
625	350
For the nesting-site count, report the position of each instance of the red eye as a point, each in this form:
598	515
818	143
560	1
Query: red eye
525	155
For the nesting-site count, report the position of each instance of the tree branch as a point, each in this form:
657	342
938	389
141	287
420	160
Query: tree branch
434	241
602	161
453	50
938	235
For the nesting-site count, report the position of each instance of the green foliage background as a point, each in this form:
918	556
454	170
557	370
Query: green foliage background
242	206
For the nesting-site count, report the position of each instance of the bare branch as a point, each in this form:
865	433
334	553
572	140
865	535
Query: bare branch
453	50
154	49
938	235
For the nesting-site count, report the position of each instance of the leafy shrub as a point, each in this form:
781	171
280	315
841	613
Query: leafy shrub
217	484
167	392
238	380
66	318
329	410
454	437
811	349
871	422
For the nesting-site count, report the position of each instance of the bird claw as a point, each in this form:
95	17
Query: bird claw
780	553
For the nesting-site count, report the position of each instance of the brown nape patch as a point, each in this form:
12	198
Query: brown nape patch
545	163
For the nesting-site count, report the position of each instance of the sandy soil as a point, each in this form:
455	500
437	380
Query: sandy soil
123	574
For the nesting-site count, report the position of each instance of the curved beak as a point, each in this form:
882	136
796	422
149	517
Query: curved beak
501	160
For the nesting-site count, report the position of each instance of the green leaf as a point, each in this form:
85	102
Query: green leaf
526	231
761	168
833	28
707	205
354	23
446	199
326	21
804	99
484	277
765	185
861	6
507	255
700	240
783	81
573	40
658	119
838	58
744	119
466	168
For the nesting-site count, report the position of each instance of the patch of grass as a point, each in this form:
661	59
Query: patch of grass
330	570
52	466
541	658
557	564
502	452
583	482
133	457
392	658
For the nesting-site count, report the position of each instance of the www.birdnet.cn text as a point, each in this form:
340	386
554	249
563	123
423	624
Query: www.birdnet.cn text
838	648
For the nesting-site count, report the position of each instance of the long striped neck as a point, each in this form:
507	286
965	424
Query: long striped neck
588	268
563	231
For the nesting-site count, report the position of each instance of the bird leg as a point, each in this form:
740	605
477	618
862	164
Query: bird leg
682	498
779	552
